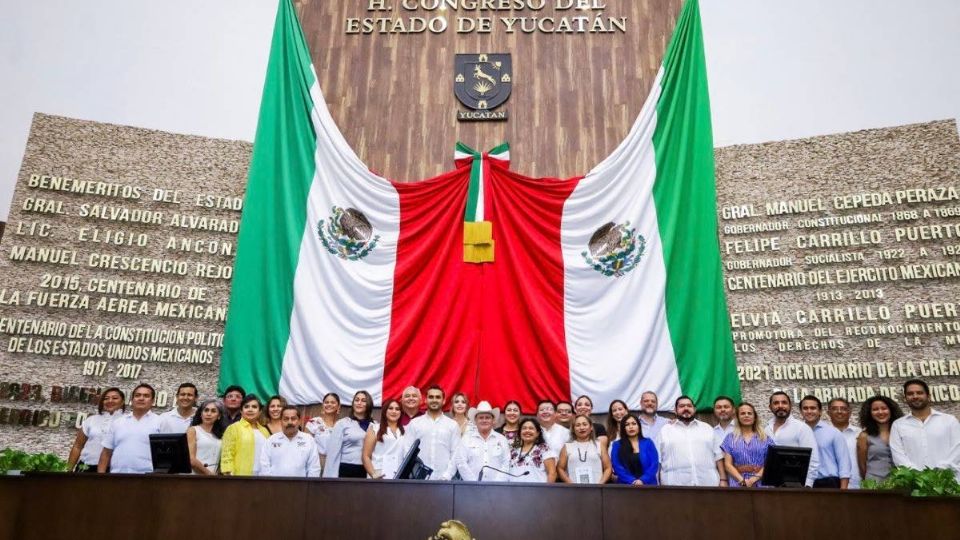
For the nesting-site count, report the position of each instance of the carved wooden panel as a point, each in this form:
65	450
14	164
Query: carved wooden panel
574	95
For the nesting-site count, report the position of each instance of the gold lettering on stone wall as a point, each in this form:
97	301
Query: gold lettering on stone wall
117	264
840	291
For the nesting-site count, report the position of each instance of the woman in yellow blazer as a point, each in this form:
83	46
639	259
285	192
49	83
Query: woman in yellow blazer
242	440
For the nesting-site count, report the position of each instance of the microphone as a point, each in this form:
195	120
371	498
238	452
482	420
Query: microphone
480	476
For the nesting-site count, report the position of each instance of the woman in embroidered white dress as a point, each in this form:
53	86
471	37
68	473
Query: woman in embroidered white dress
531	460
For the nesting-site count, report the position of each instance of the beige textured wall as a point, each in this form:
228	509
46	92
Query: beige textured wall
124	156
836	171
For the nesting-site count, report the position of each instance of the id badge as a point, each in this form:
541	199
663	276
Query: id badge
584	475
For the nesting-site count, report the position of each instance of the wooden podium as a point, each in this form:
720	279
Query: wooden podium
55	506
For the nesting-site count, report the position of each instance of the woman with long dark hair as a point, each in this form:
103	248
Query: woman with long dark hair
321	427
85	453
242	440
345	448
874	459
583	405
615	413
383	443
271	414
635	458
531	459
511	421
204	438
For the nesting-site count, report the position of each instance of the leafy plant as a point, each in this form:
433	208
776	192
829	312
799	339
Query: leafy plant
18	460
926	483
46	462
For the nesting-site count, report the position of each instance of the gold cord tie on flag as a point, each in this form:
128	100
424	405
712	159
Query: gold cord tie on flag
478	244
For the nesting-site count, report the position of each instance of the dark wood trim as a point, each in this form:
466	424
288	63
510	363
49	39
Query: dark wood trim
128	506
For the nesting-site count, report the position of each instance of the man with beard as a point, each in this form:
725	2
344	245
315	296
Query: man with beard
410	403
925	437
650	422
689	452
788	431
290	452
838	410
439	436
178	419
834	468
723	411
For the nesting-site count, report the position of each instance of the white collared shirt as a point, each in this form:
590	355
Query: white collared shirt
388	453
172	422
475	452
556	437
688	454
934	442
793	432
129	439
650	431
296	457
850	434
438	441
720	433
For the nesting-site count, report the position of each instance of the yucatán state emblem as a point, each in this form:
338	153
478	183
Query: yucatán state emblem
347	233
615	249
482	82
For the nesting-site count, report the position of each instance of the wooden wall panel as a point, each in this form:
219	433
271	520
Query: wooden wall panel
574	96
46	506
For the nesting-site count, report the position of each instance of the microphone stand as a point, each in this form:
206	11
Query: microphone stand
480	476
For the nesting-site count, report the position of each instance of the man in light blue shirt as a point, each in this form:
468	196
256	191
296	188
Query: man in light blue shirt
650	422
834	469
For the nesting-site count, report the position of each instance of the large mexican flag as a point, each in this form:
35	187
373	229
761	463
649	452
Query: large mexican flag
481	279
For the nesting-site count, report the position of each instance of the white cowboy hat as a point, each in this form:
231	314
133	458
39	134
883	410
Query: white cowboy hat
484	408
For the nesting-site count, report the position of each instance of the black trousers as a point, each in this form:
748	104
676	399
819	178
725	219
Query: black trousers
829	482
349	470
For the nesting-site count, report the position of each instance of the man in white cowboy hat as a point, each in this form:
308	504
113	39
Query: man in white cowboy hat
483	451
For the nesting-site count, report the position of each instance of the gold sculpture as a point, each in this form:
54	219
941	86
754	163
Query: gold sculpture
452	530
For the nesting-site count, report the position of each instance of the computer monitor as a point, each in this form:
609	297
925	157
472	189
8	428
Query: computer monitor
412	467
170	453
786	466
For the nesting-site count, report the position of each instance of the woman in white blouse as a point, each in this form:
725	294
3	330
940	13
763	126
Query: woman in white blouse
204	438
584	460
345	448
383	444
321	427
85	453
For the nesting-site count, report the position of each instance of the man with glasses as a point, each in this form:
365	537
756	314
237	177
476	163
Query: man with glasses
838	410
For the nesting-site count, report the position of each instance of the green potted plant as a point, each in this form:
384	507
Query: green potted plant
926	483
17	461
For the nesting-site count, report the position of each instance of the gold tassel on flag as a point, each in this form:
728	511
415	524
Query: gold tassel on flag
477	241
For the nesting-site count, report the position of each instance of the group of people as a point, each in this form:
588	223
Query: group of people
240	435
